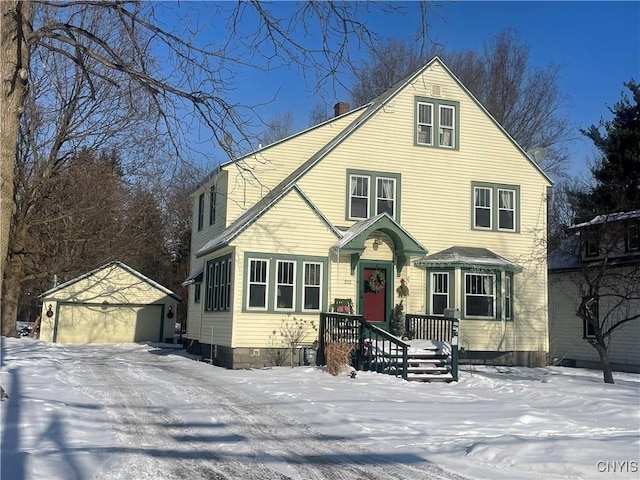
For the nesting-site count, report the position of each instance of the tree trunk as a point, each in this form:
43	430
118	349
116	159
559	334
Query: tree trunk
15	24
12	282
11	295
603	351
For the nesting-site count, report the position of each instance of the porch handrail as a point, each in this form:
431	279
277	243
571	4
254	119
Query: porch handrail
365	354
429	327
441	329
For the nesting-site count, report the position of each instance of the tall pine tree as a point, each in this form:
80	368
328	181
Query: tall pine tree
617	175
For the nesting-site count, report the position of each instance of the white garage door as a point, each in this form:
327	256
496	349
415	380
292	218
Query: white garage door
108	324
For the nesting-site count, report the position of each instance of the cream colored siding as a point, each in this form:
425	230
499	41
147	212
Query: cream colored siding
290	227
436	198
109	305
111	324
434	205
566	329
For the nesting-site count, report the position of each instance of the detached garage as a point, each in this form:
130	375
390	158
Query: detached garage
112	304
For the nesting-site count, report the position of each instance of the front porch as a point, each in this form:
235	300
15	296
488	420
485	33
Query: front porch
430	355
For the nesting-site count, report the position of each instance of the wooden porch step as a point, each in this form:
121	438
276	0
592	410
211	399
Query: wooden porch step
434	370
428	377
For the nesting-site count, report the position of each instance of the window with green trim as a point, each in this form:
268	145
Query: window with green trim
495	207
258	281
285	284
439	292
212	205
372	193
508	296
480	295
218	284
312	286
437	123
200	211
277	283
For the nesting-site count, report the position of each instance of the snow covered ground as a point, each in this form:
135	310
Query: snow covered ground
150	412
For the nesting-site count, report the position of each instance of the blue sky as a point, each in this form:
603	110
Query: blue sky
596	45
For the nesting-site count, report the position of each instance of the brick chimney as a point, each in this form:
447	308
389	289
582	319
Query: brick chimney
341	108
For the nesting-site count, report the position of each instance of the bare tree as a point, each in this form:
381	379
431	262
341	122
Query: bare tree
280	127
524	99
319	113
116	76
602	264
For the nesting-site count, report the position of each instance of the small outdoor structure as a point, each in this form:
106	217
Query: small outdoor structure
112	304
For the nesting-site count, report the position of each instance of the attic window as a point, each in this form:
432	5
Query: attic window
437	123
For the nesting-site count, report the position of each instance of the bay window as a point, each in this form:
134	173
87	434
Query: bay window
480	295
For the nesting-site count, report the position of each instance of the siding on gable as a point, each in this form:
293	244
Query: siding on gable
274	163
436	198
279	230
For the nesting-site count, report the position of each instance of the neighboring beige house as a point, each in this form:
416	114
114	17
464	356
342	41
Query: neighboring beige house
606	250
111	304
421	185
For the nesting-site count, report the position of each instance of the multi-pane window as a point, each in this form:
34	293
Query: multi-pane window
229	277
218	284
506	209
495	207
258	274
386	196
200	211
633	237
212	205
480	295
447	126
508	298
359	196
285	284
482	207
372	193
312	285
425	123
439	292
222	288
196	292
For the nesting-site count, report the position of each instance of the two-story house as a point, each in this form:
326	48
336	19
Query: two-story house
599	265
421	185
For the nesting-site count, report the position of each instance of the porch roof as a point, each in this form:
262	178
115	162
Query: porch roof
472	257
195	276
354	238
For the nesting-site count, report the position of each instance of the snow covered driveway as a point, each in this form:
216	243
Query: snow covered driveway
138	412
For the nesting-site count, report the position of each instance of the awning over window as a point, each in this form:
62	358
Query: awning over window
468	257
195	276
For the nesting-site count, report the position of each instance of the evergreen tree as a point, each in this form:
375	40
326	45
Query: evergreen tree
617	175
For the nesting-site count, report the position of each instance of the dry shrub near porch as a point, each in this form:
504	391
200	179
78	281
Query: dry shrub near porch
338	356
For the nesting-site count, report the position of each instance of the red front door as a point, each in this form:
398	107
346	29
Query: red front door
374	296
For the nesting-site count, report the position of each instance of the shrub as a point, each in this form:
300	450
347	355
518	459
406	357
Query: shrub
338	355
